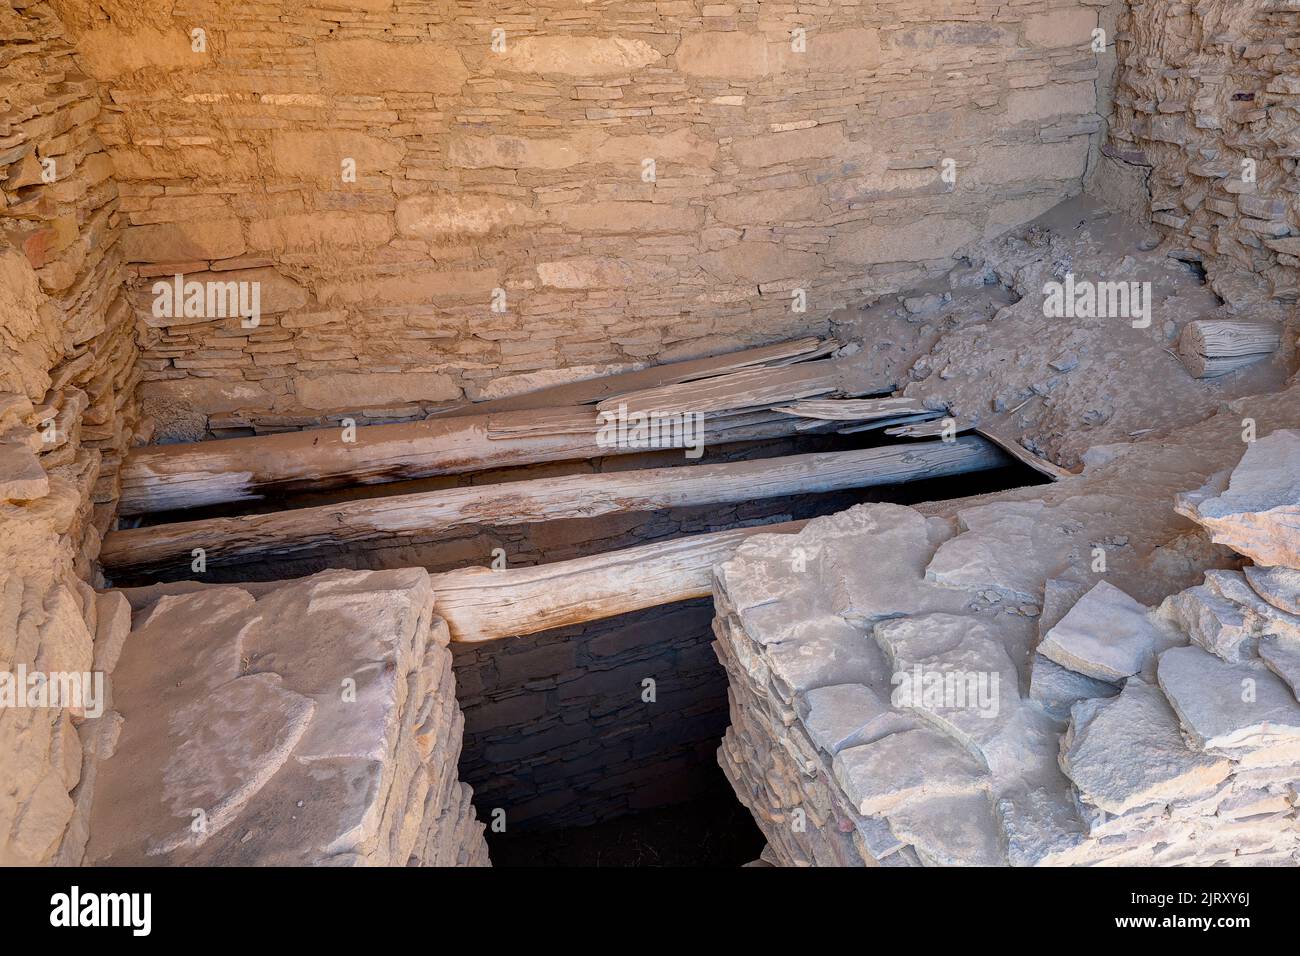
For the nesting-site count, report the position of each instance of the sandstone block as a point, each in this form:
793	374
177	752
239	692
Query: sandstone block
770	149
927	238
319	154
21	476
357	390
600	272
1106	636
1257	510
576	55
1059	28
1055	99
354	66
1128	751
1223	706
319	230
447	216
183	241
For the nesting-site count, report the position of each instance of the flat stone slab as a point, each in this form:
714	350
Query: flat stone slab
1129	751
1280	587
1224	706
1282	657
1261	616
310	724
1212	622
889	579
912	765
1107	636
1258	513
21	476
951	670
1042	826
847	715
1009	547
1058	688
957	830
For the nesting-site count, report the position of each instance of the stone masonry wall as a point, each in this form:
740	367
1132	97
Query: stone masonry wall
524	171
1207	106
67	412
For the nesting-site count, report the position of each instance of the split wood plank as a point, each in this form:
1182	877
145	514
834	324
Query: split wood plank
591	390
750	388
855	409
1023	454
268	536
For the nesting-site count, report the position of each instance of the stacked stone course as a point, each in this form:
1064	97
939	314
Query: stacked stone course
1143	735
521	170
68	374
1204	88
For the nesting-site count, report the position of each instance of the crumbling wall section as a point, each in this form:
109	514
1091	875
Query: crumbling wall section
67	412
441	199
1207	108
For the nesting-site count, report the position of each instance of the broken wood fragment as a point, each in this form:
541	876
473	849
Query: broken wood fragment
1023	454
589	391
855	409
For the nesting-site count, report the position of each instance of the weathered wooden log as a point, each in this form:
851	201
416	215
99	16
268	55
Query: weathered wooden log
267	536
1213	347
170	477
484	605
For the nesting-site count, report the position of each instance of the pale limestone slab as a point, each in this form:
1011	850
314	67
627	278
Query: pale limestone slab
1258	513
1107	636
1212	622
1282	657
889	579
1224	706
912	765
951	830
1011	548
1129	751
1280	587
1041	825
952	671
1058	688
846	715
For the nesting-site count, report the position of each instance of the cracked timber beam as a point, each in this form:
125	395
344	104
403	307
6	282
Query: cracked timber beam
275	535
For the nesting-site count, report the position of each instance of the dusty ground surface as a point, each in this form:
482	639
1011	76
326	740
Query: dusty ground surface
1059	385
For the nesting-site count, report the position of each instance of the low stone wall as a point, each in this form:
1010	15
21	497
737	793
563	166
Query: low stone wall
444	201
883	712
1206	98
337	731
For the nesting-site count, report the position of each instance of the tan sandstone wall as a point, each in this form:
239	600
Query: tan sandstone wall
524	170
1204	87
67	381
